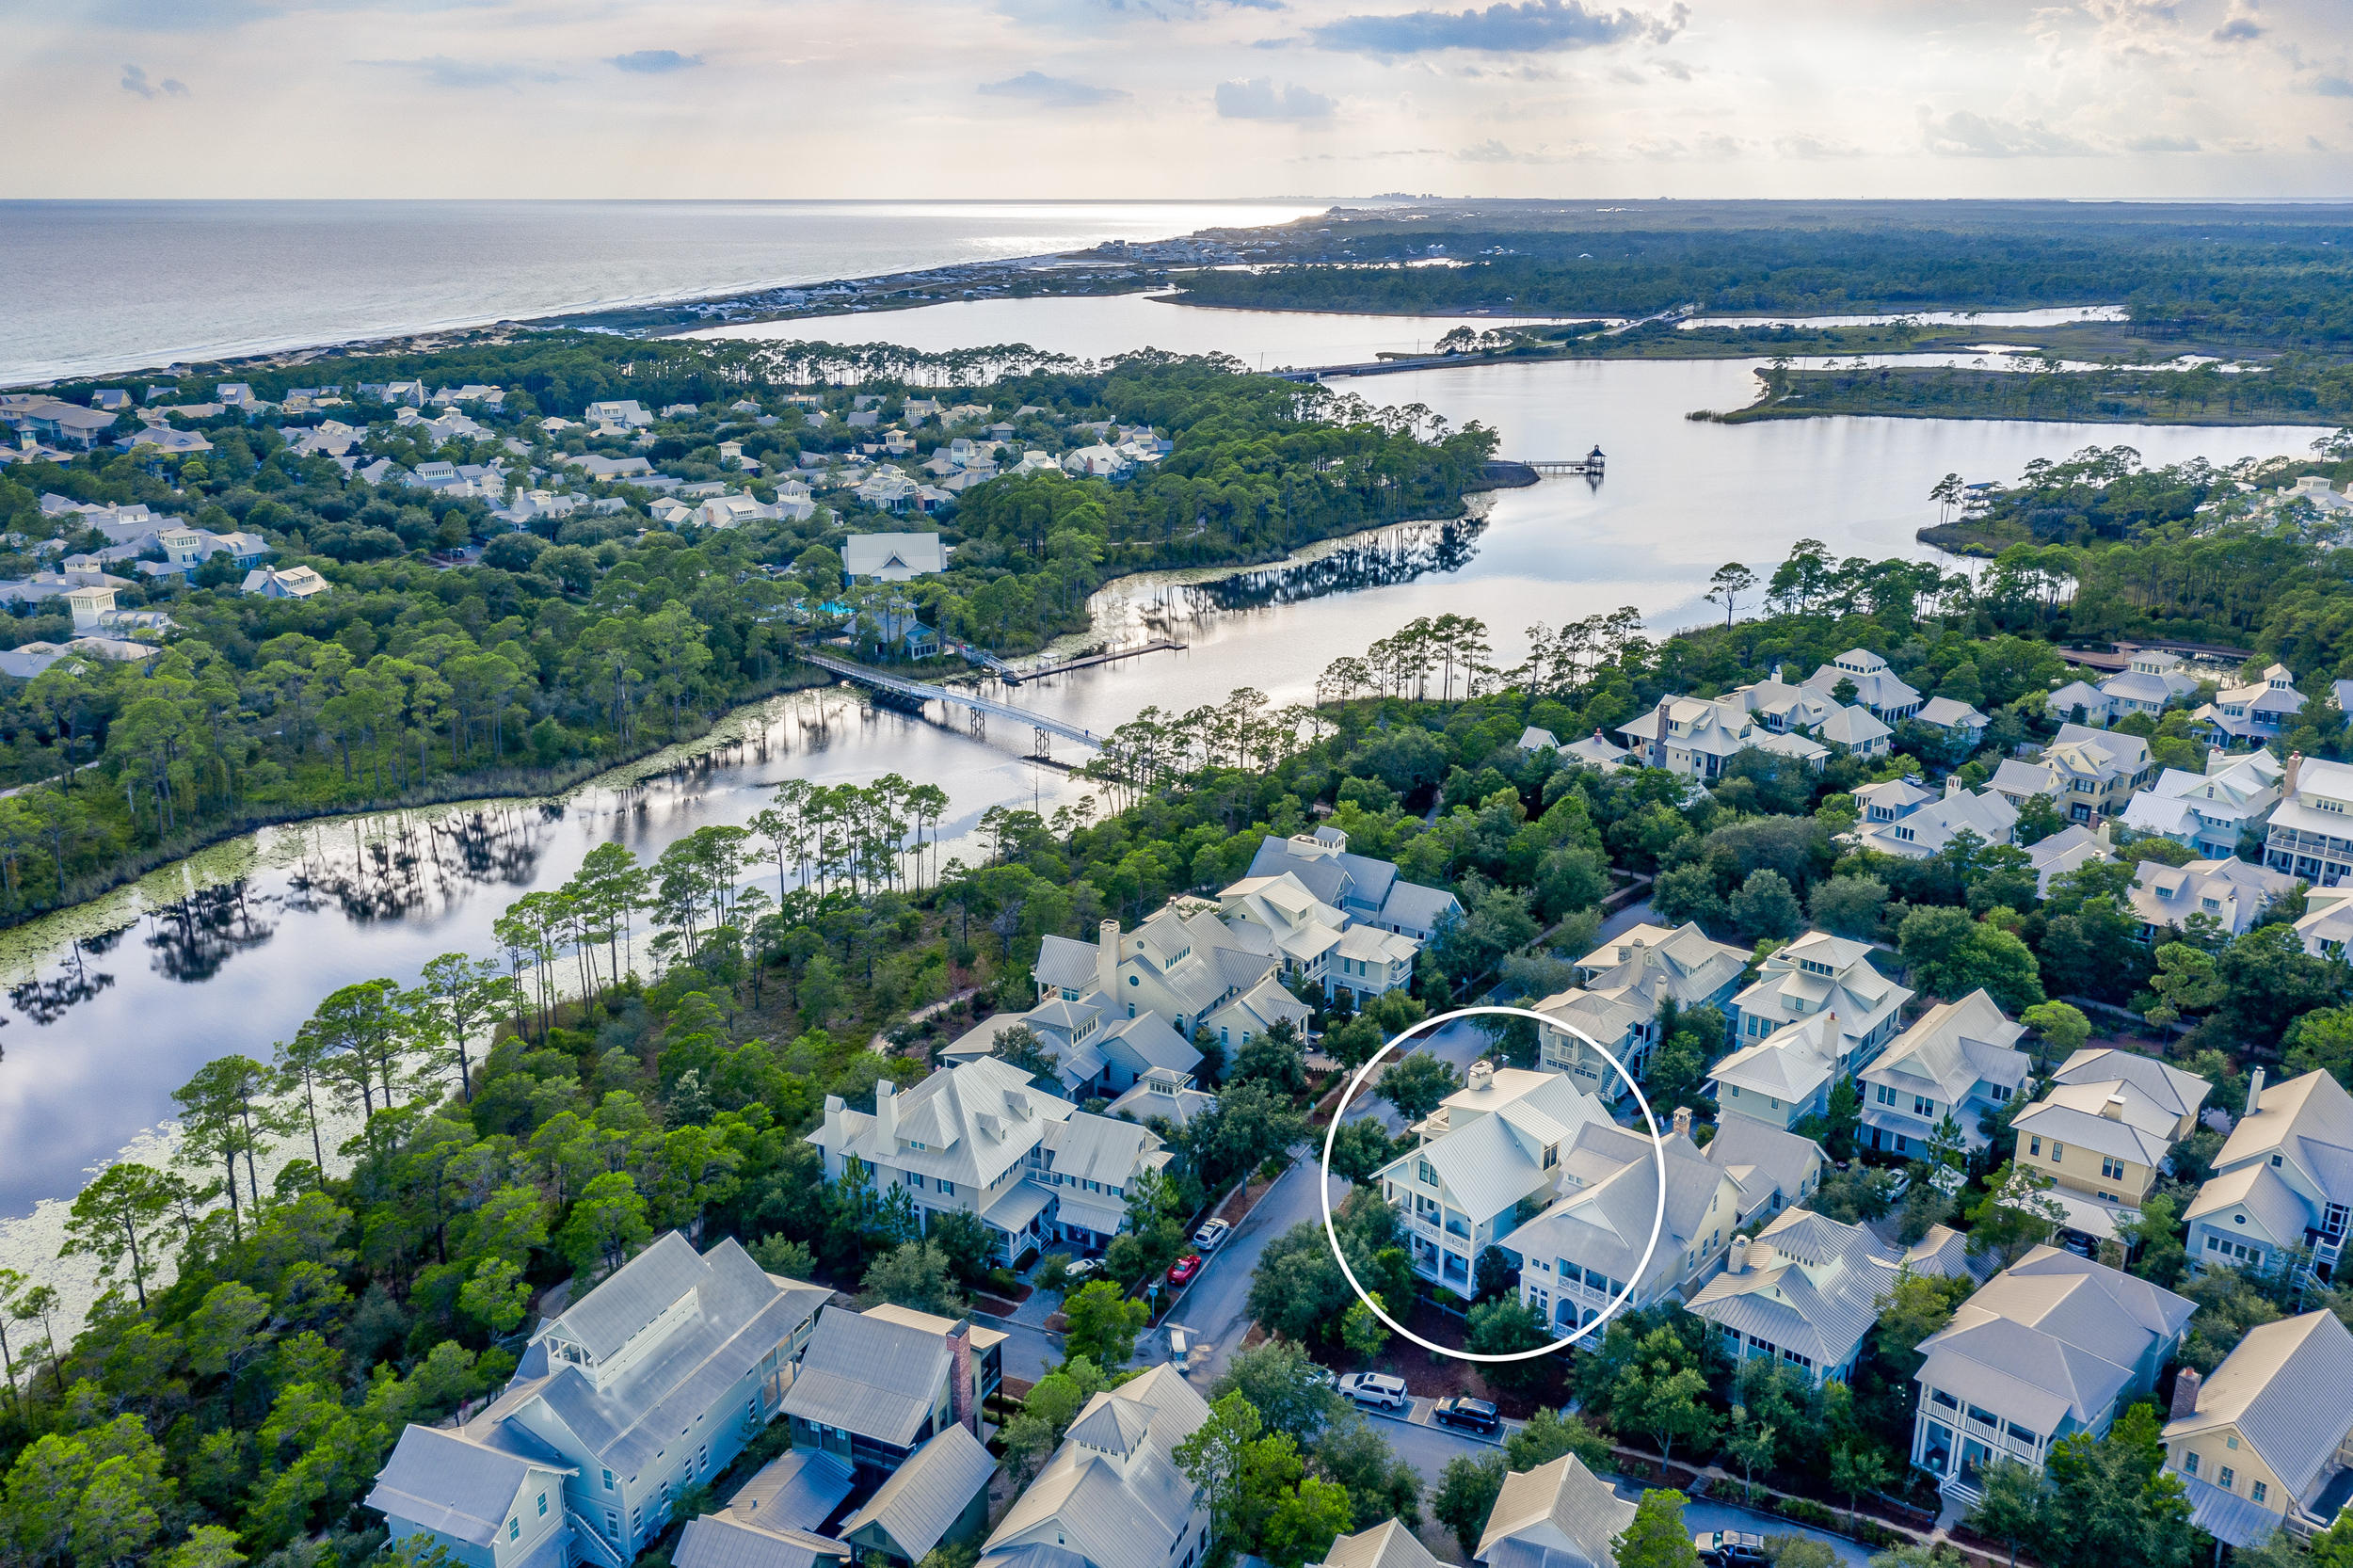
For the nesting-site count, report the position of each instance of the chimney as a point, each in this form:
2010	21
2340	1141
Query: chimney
2216	760
960	1377
1952	785
2186	1383
2113	1107
886	1114
1737	1262
1106	961
1658	750
2295	766
832	1134
1482	1074
1683	1121
2105	835
2254	1091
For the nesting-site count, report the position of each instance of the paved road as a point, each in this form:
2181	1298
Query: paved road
1710	1515
1626	920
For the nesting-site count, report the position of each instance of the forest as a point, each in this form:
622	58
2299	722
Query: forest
593	638
648	1043
2271	277
2293	389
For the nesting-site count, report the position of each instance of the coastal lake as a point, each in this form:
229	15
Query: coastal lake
233	951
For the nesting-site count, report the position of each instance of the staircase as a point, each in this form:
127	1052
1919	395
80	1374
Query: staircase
1964	1491
594	1548
2320	1263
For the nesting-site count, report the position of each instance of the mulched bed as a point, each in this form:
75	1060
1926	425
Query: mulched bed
996	1306
1242	1200
1435	1377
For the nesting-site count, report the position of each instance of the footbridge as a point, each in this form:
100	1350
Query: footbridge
981	707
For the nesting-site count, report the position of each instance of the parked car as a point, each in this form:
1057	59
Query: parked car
1079	1269
1182	1271
1320	1376
1468	1415
1730	1550
1209	1236
1375	1388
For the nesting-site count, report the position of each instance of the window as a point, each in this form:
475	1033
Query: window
947	1187
612	1523
2037	1146
2111	1170
2230	1442
1923	1106
914	1179
514	1529
608	1480
543	1505
2262	1491
1884	1094
2190	1465
2225	1478
2275	1161
2058	1152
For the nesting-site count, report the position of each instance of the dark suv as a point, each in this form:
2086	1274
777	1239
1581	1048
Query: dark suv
1469	1415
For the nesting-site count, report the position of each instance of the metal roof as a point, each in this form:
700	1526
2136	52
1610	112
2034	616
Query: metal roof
453	1486
869	1375
1556	1507
717	1541
1111	1511
924	1495
799	1489
649	1285
2288	1391
1387	1544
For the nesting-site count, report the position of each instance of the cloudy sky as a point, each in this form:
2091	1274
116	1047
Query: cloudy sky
1176	98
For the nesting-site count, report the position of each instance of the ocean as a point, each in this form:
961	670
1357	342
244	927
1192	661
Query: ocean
97	287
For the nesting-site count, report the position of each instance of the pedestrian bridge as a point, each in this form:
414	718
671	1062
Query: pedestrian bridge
919	691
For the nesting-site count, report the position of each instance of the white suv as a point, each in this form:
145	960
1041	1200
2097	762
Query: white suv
1375	1388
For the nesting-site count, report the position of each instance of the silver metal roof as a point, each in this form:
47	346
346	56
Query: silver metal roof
923	1496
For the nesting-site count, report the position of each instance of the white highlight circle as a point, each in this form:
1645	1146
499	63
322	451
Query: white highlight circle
1659	1156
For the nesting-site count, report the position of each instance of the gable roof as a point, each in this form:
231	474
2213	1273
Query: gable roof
1763	1160
1807	1283
722	1541
2078	1113
1957	1046
1387	1544
2177	1093
1560	1514
1610	1195
649	1285
2309	1119
869	1375
448	1485
924	1495
2052	1336
1790	1065
2288	1390
1103	1508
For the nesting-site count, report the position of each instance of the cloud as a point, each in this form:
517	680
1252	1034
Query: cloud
2240	26
2162	144
1494	151
2330	86
1502	28
1965	133
135	81
1261	99
654	62
441	72
1055	92
1802	146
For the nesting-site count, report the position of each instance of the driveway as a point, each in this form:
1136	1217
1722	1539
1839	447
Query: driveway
1627	919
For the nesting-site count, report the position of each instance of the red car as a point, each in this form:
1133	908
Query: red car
1182	1271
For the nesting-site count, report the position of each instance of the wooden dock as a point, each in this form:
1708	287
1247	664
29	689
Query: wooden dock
1163	645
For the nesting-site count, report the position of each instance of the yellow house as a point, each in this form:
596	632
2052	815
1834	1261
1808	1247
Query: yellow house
2102	1141
2263	1440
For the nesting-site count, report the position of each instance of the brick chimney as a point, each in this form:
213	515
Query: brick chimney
1683	1121
886	1114
2254	1091
2295	766
960	1377
1107	960
2186	1383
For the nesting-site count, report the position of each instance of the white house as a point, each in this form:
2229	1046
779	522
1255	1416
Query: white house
1318	943
1785	1076
1697	736
627	414
1189	969
1960	1059
1805	1290
1821	973
285	582
1112	1496
1927	828
2283	1185
1557	1515
1623	984
1876	687
1368	891
2050	1347
2310	835
2228	892
1490	1146
2256	711
2209	812
2151	679
891	557
1955	718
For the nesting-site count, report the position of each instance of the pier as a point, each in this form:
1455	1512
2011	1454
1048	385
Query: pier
895	691
1014	677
